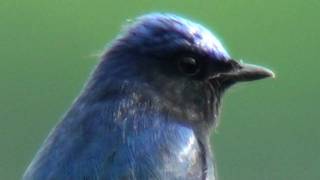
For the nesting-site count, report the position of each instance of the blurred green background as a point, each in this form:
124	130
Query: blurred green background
269	130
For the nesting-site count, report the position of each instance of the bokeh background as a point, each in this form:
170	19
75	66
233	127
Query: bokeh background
269	130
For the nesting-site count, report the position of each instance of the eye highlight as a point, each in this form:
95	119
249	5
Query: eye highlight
188	65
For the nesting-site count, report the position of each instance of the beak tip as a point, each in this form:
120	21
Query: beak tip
270	73
273	76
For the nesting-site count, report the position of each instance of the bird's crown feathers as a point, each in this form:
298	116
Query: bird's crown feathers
158	32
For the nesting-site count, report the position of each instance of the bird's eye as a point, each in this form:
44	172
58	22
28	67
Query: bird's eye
188	65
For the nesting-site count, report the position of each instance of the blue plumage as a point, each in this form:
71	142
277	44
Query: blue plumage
148	108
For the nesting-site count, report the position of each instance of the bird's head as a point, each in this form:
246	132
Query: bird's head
183	63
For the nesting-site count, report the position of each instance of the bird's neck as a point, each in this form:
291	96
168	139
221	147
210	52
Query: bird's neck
136	108
134	98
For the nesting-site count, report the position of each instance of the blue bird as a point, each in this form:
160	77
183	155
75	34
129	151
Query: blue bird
148	108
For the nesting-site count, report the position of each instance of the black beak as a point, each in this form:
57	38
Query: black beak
239	72
247	72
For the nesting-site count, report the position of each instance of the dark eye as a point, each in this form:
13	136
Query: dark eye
188	65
